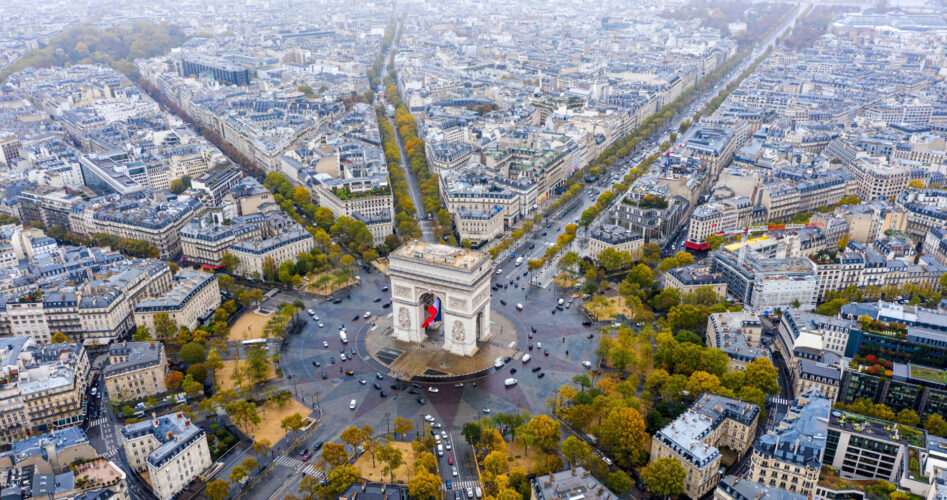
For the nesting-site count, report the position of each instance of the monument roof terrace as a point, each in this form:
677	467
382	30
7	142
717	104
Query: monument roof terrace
442	255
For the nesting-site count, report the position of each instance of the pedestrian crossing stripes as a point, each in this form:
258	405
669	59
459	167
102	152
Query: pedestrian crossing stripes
292	463
318	473
98	421
110	453
779	401
461	485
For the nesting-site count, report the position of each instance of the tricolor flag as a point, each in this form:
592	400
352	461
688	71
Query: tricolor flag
434	310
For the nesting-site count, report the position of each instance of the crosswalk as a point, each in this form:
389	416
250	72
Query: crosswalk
300	466
460	485
98	421
779	401
110	453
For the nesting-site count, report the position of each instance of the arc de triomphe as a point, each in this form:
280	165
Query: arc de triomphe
422	272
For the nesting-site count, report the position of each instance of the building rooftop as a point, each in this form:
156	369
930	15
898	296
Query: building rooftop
61	440
744	489
687	434
187	283
137	355
800	437
444	255
174	431
573	484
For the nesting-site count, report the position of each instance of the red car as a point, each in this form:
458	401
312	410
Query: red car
450	460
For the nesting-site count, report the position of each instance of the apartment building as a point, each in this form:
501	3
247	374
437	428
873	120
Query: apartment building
194	296
792	192
248	196
649	209
42	385
478	226
472	190
715	146
367	196
217	183
877	178
687	279
205	241
52	452
738	335
737	488
935	245
171	448
911	387
573	483
926	209
447	155
694	439
615	237
861	266
47	205
791	456
136	370
729	215
765	284
281	247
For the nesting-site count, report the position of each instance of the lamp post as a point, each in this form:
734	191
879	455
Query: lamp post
293	378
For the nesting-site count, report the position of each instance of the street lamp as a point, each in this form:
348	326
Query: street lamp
293	378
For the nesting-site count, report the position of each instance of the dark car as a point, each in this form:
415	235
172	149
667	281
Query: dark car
422	401
559	307
353	351
383	394
396	387
304	452
541	375
355	317
384	288
512	371
530	347
376	385
337	301
554	311
586	323
332	360
316	363
533	328
386	305
377	299
342	350
416	385
546	352
508	359
532	246
413	391
317	446
324	375
379	376
537	368
591	335
502	301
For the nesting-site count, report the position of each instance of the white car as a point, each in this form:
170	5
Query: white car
447	445
453	470
352	404
519	307
311	312
486	410
587	364
342	356
325	344
321	325
433	389
444	435
428	418
367	314
499	271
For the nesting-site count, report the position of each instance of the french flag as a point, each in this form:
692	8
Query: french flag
434	310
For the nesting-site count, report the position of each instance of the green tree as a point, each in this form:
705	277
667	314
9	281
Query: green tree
936	425
664	477
190	386
762	374
392	458
192	352
238	473
575	451
619	482
229	262
294	423
142	334
198	372
341	477
403	425
334	454
908	417
623	433
164	326
472	433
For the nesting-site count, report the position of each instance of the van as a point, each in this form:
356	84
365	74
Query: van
478	491
519	260
510	382
440	450
343	338
526	358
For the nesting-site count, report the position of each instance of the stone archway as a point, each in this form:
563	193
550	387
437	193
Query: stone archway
420	272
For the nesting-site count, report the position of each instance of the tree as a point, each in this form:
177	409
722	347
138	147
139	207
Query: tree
334	454
623	432
916	184
218	489
142	334
619	482
229	262
198	371
424	486
60	338
190	386
576	451
164	326
403	425
173	379
936	425
392	458
425	460
762	374
238	473
943	282
213	361
192	352
250	463
664	477
472	433
714	241
258	364
908	417
496	463
293	422
341	477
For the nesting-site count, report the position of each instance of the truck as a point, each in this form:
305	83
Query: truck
343	338
519	260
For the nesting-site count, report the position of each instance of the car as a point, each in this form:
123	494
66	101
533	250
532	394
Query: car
519	307
341	326
350	373
512	370
586	323
453	471
416	385
377	299
311	312
376	385
470	492
530	347
444	435
362	381
341	349
587	364
486	411
559	308
436	425
554	311
331	360
337	301
459	385
428	418
421	401
532	329
447	444
355	317
396	386
321	325
316	364
379	376
325	344
502	301
539	345
541	375
324	375
457	496
304	453
367	314
537	368
433	389
386	305
478	491
353	352
591	336
383	394
450	460
413	391
342	357
546	352
607	460
384	288
448	484
352	404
